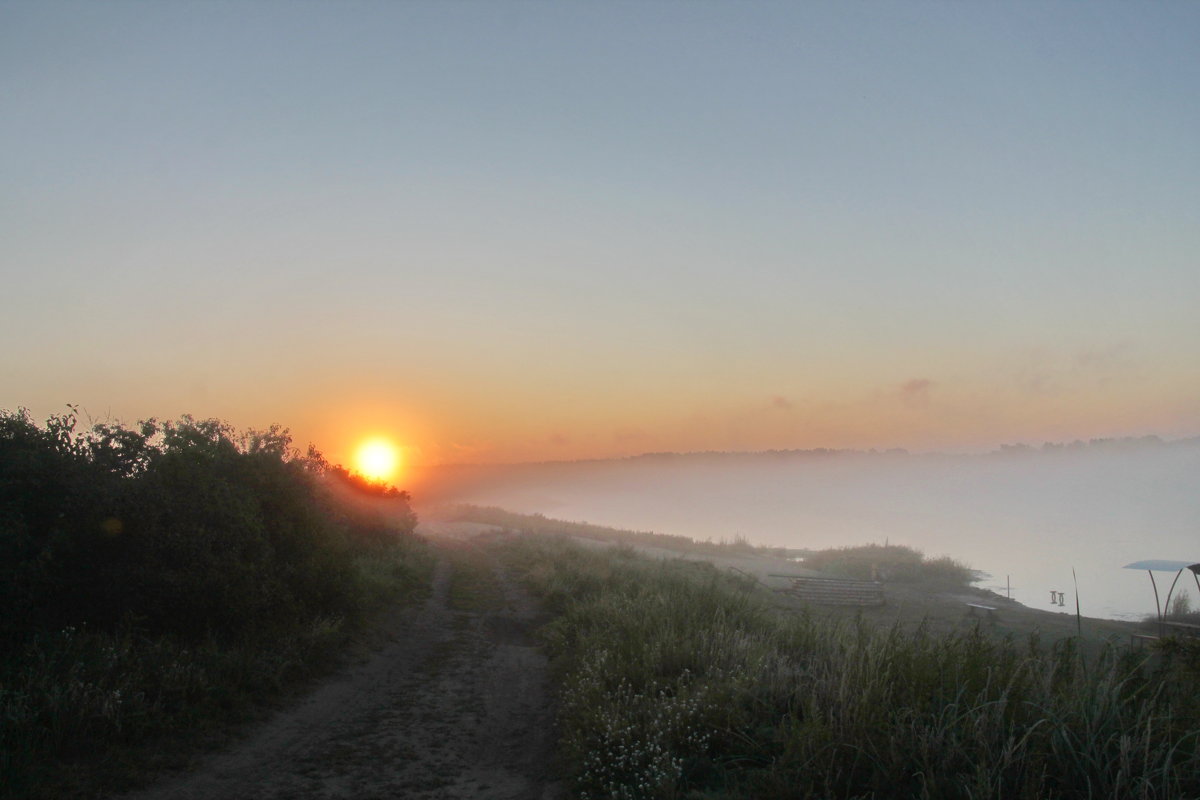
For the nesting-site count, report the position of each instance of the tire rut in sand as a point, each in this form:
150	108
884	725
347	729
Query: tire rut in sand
454	706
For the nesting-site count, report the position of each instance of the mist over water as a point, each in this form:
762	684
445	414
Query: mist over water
1025	515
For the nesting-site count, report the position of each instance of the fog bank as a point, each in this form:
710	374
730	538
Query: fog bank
1022	513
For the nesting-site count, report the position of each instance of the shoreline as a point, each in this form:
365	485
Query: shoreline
937	607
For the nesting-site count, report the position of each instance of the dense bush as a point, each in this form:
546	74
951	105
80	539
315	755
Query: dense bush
157	577
181	527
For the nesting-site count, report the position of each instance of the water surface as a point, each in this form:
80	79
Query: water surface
1024	517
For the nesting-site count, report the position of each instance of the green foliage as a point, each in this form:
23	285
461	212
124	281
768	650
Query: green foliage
889	562
183	528
677	681
1181	606
154	575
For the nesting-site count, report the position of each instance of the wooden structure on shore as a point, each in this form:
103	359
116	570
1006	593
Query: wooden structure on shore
833	591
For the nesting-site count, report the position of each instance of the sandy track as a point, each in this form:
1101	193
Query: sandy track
453	706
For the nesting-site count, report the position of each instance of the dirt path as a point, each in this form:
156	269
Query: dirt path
453	706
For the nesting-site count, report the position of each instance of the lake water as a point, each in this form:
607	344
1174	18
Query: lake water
1028	518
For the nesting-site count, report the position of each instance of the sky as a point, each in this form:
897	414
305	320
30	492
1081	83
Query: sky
510	231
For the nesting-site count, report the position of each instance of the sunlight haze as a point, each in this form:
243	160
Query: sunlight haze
377	459
537	231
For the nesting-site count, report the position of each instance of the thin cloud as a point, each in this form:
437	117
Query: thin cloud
629	435
470	448
1114	356
915	392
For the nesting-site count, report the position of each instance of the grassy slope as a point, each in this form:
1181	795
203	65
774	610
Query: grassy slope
936	597
677	680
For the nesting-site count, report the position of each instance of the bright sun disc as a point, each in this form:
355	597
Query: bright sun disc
377	459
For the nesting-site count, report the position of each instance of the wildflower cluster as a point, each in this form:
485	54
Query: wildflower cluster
632	743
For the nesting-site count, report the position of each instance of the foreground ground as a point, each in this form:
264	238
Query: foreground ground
450	702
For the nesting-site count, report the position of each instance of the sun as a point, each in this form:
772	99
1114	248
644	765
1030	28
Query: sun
377	459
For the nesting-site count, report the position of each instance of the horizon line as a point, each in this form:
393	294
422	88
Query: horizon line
1017	448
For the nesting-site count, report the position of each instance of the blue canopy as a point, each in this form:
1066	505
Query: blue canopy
1162	565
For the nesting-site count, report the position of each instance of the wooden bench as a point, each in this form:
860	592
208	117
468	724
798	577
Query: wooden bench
836	591
1181	628
972	608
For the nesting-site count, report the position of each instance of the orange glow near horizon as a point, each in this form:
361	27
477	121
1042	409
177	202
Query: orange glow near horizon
377	459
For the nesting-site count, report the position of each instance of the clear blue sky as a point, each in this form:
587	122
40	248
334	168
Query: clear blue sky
533	230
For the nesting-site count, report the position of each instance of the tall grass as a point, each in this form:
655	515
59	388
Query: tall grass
677	681
87	711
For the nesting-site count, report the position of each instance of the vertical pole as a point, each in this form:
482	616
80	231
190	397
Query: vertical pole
1167	602
1078	617
1008	585
1157	605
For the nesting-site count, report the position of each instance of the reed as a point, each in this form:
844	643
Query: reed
678	681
